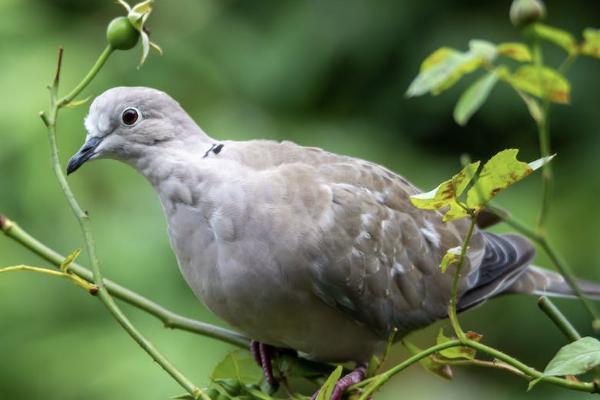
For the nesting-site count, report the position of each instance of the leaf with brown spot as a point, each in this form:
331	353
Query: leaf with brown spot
591	43
516	51
541	82
447	193
501	171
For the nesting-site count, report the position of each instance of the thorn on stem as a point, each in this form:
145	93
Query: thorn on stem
3	221
44	118
93	290
58	66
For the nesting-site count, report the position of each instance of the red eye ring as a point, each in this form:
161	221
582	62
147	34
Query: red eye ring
130	116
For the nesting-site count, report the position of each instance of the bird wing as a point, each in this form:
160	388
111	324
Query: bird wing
374	256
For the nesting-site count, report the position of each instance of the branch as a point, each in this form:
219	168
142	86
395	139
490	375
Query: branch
88	78
562	323
454	292
505	362
84	223
167	317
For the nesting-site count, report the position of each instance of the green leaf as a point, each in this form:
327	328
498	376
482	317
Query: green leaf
453	353
373	366
257	394
430	363
559	37
541	82
474	97
516	51
535	110
442	69
501	171
573	359
447	193
239	366
452	256
64	266
327	388
591	42
484	49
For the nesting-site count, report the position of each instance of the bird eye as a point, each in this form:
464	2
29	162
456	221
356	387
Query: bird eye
130	116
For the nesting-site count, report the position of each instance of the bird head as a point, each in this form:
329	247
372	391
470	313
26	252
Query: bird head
125	123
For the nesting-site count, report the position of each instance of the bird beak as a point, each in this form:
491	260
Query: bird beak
86	152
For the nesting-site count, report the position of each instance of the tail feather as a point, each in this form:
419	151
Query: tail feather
506	268
542	282
506	259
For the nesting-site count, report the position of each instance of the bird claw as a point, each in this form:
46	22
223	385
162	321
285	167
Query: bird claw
262	354
354	377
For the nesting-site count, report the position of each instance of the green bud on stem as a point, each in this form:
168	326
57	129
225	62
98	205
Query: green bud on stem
121	35
525	12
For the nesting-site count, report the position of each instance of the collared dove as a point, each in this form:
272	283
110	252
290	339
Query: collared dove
297	247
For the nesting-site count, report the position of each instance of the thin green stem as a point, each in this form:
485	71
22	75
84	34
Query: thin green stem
87	79
170	319
543	136
557	260
454	291
567	273
376	382
84	223
496	364
520	369
558	318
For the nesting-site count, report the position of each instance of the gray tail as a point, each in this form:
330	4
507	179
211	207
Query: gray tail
506	259
541	282
506	268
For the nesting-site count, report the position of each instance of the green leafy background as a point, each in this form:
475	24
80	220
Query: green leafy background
329	73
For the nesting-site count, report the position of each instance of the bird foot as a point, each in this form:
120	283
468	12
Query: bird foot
262	354
354	377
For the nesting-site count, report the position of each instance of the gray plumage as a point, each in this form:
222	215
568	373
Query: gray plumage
298	247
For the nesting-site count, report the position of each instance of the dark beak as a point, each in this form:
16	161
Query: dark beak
86	152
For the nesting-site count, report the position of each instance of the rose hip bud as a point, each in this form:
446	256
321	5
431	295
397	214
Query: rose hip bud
121	35
525	12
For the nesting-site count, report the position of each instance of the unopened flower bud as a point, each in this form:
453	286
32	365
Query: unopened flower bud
121	34
524	12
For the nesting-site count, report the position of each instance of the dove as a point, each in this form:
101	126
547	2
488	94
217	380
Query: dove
297	247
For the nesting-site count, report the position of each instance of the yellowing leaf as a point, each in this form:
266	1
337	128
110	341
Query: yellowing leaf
501	171
430	363
442	69
541	82
452	256
557	36
447	193
437	57
516	51
464	353
474	97
591	43
72	277
64	266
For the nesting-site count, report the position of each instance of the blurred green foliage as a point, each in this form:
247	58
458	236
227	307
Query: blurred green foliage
328	73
